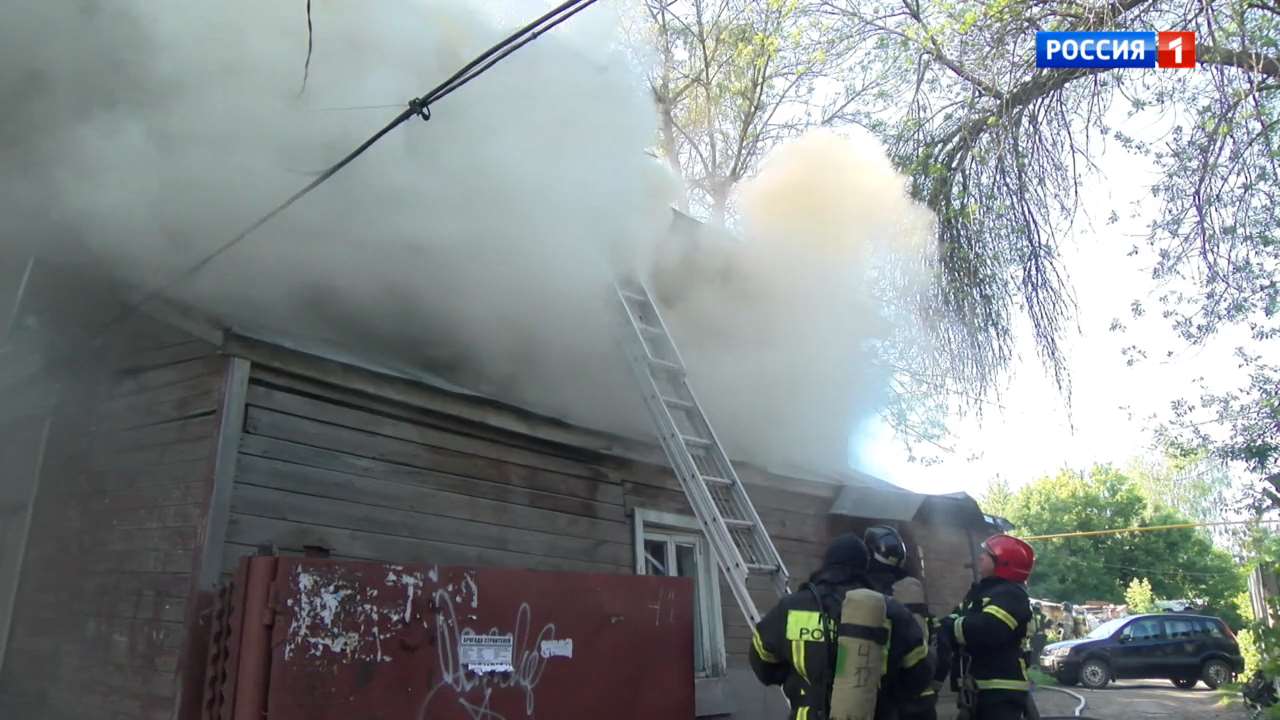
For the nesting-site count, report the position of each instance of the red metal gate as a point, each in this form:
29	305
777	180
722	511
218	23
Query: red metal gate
327	640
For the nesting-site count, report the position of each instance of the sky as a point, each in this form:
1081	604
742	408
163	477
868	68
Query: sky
1028	431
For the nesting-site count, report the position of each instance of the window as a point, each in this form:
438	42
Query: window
1210	628
1148	629
1180	629
672	545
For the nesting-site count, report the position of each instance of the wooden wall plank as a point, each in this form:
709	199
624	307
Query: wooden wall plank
197	428
403	409
165	355
527	491
141	380
265	502
256	531
141	410
379	447
105	457
378	492
421	434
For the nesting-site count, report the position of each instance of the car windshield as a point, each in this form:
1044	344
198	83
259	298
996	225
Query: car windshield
1106	629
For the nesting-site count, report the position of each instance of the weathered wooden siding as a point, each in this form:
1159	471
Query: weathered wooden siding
101	607
363	478
946	552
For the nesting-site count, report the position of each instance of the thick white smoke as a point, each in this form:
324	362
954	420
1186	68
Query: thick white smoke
477	246
782	328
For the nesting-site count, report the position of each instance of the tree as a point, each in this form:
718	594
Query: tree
1139	596
1179	563
997	499
734	78
998	149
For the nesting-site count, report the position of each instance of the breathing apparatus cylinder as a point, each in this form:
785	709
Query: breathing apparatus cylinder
861	639
910	592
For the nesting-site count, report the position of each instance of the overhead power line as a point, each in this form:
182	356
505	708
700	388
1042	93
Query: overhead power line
418	106
1145	528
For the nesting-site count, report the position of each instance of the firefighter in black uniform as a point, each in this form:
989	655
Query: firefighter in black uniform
888	561
889	565
794	645
988	629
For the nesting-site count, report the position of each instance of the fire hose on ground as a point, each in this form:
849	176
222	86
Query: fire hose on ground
1075	714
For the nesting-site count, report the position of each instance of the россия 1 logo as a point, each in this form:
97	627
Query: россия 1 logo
1115	49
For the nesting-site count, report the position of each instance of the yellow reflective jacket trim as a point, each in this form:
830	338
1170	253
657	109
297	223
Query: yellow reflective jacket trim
802	713
805	625
758	643
1000	613
888	643
914	657
797	658
1003	685
959	628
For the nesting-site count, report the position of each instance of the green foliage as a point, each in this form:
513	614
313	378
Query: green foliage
1251	649
976	125
1176	564
1139	596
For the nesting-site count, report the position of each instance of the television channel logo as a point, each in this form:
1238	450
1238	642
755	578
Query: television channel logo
1107	50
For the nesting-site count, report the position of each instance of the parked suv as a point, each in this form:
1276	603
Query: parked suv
1182	648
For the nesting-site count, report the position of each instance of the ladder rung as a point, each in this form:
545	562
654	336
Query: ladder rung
674	402
696	441
757	568
732	522
717	480
650	329
664	365
635	296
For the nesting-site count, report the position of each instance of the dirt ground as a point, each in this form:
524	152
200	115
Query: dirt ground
1132	700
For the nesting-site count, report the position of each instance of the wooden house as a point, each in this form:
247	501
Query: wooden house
145	453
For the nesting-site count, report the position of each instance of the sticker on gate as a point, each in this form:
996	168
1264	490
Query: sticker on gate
486	653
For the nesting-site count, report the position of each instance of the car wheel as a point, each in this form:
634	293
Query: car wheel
1094	674
1068	680
1185	683
1215	673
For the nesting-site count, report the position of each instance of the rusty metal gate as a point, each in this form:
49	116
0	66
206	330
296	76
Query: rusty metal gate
317	639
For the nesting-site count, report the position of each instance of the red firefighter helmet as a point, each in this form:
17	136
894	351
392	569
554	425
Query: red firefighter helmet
1013	558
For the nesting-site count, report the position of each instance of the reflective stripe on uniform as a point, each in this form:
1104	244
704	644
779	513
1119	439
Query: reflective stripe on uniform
1000	613
797	658
1003	685
959	629
805	625
888	643
758	643
802	713
914	657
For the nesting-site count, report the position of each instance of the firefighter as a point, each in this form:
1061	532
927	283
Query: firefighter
1067	622
888	559
888	553
794	645
988	629
1035	628
1039	631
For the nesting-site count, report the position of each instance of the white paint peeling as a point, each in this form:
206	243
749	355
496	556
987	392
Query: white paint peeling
327	605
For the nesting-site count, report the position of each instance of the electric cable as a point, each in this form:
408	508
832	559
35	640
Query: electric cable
418	106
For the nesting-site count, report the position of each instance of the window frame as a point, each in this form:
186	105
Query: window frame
1190	634
1159	623
670	527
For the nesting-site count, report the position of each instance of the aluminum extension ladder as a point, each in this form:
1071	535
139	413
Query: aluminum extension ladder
728	519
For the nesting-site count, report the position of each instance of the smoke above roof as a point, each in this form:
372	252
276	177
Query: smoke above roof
478	246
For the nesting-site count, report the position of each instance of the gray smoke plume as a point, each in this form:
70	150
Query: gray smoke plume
478	246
